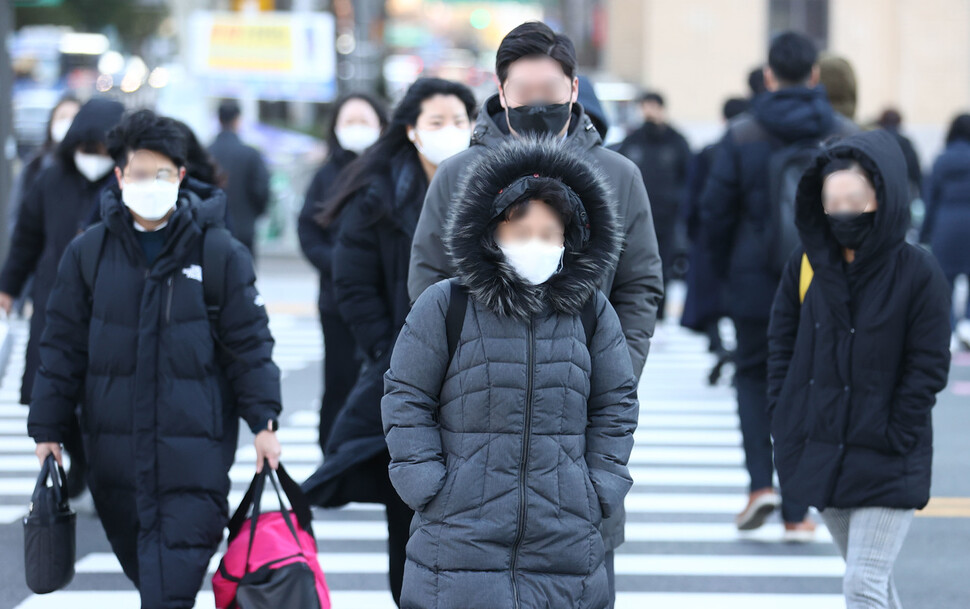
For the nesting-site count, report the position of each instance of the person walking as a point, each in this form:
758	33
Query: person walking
538	92
747	212
357	122
130	335
247	179
947	222
663	157
510	432
858	350
378	199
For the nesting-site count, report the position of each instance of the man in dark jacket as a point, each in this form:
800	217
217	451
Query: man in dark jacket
737	209
247	188
663	157
130	336
538	90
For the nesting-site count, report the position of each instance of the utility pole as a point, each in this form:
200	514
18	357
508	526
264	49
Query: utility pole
8	146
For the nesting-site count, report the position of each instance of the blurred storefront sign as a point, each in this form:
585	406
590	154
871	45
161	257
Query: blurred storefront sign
270	56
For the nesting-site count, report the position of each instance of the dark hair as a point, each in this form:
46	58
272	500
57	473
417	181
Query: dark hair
549	191
198	163
393	141
959	129
733	107
890	119
791	57
145	130
843	164
652	96
532	39
229	111
332	143
756	81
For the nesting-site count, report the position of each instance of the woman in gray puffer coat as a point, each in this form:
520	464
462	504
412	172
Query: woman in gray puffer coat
510	429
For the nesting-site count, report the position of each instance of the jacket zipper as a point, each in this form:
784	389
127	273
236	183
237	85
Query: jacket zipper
168	306
524	462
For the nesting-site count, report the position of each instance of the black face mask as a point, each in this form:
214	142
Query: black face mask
538	120
851	230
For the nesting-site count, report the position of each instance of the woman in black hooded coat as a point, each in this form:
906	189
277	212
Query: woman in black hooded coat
859	348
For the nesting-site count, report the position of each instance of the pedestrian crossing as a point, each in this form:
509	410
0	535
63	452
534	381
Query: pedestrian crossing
682	550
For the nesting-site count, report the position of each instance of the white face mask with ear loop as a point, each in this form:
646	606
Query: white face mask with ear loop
59	129
150	199
436	145
93	166
534	260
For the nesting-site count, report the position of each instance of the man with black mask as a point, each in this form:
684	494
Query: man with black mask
538	89
663	155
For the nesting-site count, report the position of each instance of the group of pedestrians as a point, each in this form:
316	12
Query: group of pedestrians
490	280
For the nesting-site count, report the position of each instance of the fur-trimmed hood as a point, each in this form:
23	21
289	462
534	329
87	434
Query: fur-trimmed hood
480	264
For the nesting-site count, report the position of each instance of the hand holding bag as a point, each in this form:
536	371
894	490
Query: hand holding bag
49	532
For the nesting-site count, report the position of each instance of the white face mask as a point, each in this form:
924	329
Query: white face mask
357	138
93	166
59	129
439	144
151	199
535	260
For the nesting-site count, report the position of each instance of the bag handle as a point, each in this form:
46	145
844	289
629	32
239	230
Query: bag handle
51	469
298	502
254	520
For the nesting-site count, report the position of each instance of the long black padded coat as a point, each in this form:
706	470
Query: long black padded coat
512	452
853	372
138	353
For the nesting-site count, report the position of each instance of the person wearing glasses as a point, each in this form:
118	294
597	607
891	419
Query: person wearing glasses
538	92
858	349
510	432
129	335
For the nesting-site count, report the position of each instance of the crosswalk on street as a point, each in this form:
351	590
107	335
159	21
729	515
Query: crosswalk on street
682	549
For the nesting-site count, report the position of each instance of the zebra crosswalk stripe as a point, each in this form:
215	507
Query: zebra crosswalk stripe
682	548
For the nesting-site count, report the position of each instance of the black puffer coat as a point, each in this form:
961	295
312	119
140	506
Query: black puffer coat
854	371
139	355
54	210
512	452
370	269
947	224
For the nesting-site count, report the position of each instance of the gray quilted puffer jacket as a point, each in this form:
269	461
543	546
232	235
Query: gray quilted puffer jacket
513	451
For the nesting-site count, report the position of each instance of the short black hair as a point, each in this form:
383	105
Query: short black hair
959	129
229	111
145	130
652	96
531	39
733	107
756	81
791	57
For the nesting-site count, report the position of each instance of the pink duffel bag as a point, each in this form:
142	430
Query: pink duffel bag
271	561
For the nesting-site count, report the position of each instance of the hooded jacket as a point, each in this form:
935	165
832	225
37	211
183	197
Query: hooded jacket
735	207
947	222
137	352
513	450
54	210
854	370
634	287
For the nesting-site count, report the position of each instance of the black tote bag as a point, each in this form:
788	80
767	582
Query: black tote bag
49	532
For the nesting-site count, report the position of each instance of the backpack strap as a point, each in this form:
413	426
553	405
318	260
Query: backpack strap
805	275
216	245
91	248
588	317
455	318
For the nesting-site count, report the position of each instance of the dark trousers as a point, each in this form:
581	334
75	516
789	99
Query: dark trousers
611	577
399	518
751	381
952	279
340	368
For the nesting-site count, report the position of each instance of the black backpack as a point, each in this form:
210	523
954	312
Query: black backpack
216	246
457	306
786	166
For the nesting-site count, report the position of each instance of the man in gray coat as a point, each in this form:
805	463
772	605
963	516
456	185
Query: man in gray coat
536	69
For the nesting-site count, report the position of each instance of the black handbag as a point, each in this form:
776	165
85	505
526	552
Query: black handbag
49	532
